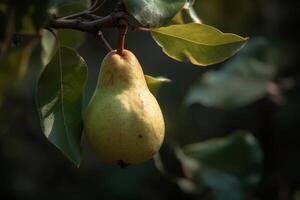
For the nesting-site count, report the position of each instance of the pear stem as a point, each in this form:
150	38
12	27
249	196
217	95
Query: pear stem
123	26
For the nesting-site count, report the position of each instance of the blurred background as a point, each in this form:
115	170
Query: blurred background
232	129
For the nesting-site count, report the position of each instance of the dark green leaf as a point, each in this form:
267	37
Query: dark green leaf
59	100
154	13
229	166
202	44
241	81
71	7
224	186
233	153
13	68
71	38
30	15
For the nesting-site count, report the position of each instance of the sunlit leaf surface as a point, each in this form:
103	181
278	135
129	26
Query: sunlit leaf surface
153	13
201	44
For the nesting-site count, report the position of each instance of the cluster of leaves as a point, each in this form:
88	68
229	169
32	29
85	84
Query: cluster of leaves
229	167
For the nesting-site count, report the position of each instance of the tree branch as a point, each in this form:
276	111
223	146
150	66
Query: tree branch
103	41
88	26
86	21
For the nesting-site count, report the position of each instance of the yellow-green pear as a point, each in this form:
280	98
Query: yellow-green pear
123	122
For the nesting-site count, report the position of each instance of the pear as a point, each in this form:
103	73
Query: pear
123	123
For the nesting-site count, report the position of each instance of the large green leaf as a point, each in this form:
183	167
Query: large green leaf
202	44
241	81
229	166
59	100
155	83
233	153
153	13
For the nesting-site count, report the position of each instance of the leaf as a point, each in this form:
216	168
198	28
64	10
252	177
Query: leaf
296	195
14	67
49	46
241	81
30	15
232	154
153	13
202	44
191	14
178	18
239	17
229	166
69	38
59	101
75	41
224	186
155	83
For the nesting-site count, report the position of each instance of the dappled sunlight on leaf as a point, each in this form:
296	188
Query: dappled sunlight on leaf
153	13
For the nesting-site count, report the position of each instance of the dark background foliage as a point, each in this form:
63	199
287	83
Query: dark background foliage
32	168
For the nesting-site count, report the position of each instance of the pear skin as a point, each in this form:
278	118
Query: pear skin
123	122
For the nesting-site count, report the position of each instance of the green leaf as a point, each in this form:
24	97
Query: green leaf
232	154
241	81
69	8
73	42
14	67
49	43
153	13
30	15
296	195
49	46
202	44
155	83
78	37
224	186
25	17
229	166
59	100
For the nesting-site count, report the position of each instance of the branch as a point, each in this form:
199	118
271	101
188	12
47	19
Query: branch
88	26
86	21
104	42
